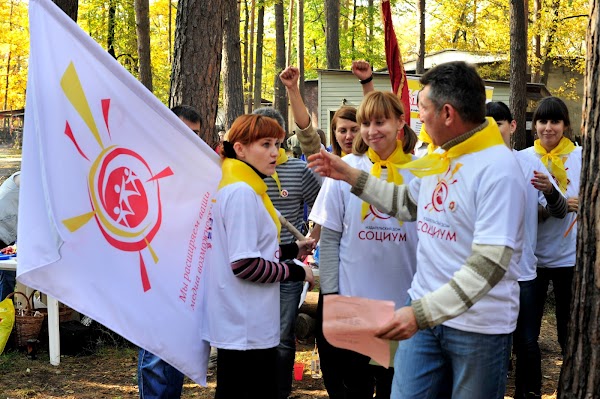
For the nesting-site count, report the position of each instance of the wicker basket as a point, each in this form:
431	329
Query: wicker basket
27	322
64	312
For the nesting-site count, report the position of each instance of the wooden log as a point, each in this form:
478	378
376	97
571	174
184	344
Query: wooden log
310	304
305	326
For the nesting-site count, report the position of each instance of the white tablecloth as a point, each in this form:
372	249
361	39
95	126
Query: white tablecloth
53	329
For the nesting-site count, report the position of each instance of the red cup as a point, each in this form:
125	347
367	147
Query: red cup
298	371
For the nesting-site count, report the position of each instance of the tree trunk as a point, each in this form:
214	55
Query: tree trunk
197	61
233	90
537	43
280	100
518	72
246	54
251	59
580	375
260	23
290	30
142	27
421	53
300	18
110	29
332	40
371	28
70	7
7	85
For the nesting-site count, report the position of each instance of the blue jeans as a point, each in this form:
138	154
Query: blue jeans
478	364
289	298
7	283
157	379
528	372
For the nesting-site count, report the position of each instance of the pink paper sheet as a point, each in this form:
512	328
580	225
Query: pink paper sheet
351	322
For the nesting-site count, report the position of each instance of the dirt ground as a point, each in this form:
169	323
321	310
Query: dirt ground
110	370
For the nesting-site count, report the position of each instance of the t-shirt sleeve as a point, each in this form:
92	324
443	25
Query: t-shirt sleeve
329	207
497	221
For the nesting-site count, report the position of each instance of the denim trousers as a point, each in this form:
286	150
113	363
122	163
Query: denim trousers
289	298
562	281
7	283
157	379
528	371
477	364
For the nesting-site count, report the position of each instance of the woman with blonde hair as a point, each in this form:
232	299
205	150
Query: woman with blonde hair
358	241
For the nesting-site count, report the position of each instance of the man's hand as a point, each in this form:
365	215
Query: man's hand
402	326
361	69
332	166
289	77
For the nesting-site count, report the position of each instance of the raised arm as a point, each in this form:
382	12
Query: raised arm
362	70
310	143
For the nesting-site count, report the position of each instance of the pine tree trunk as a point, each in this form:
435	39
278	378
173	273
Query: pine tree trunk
110	28
250	106
421	53
70	7
580	375
233	90
142	26
518	71
197	61
332	18
260	27
280	101
300	18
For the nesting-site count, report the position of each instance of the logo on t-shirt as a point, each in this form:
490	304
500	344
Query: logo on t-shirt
374	213
441	191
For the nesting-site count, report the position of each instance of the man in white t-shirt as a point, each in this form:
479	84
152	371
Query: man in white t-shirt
468	206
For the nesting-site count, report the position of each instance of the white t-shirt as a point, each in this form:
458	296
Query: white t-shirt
378	254
479	200
239	314
553	249
533	197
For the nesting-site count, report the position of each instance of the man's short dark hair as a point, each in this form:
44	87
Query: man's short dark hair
271	113
187	112
458	84
499	111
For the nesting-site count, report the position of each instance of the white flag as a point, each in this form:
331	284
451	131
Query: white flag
116	192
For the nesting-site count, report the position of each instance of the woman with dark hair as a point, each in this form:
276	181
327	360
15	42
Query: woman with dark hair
242	283
358	242
556	239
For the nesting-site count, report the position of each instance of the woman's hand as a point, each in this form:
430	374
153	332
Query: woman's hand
332	166
309	277
573	204
542	182
289	77
361	69
305	247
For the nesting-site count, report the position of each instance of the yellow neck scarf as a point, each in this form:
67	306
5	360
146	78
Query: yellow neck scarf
392	163
434	163
425	138
235	171
343	154
282	158
554	160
